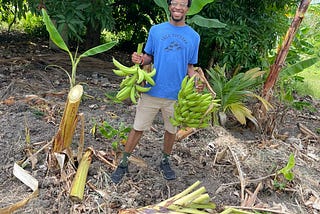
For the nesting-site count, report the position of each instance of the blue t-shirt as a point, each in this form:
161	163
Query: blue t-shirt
172	48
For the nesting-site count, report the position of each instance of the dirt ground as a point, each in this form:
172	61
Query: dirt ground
235	164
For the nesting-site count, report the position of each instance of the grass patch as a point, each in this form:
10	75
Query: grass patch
311	84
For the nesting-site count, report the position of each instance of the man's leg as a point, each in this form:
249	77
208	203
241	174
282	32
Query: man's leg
169	139
133	139
165	168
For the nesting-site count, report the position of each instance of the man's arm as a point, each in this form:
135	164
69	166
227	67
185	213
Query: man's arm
191	70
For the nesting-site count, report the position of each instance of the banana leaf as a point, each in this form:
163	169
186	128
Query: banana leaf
163	4
98	49
197	6
204	22
298	67
53	32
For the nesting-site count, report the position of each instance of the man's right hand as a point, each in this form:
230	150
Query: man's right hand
137	58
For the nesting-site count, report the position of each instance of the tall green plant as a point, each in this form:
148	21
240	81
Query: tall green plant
234	92
57	39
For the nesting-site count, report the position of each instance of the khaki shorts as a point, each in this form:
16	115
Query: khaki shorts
147	109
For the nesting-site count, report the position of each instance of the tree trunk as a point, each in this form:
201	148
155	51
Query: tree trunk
92	36
283	51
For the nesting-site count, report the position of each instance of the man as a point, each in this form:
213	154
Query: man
173	49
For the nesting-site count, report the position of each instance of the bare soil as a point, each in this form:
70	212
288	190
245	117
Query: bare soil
232	162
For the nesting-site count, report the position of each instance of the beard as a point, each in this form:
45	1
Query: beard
177	19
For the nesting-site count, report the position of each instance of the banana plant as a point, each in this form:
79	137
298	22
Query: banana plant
195	8
59	42
234	92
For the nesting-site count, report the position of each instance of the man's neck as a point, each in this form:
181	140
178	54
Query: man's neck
177	23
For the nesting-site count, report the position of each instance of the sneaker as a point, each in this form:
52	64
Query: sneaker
118	174
166	170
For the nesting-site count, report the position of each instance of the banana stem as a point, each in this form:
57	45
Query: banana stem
190	197
139	49
202	199
63	138
79	182
183	193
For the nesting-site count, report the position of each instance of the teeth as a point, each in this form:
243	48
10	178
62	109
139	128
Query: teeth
177	13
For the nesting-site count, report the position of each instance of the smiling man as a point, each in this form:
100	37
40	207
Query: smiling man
173	48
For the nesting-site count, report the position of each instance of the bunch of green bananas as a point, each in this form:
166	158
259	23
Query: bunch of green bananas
130	87
193	108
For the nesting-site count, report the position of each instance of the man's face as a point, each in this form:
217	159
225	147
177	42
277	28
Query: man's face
178	9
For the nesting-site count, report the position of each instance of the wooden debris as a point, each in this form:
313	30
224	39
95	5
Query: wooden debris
308	132
184	133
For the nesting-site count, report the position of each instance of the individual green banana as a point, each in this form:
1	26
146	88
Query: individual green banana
174	122
123	93
127	70
184	82
152	73
125	81
193	103
133	95
119	72
190	84
199	109
192	96
149	79
142	89
185	114
140	76
132	80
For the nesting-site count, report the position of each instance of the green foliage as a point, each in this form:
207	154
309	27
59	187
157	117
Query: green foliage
252	31
207	23
134	19
234	92
311	84
12	10
301	105
73	17
287	170
33	25
302	59
289	78
306	43
57	39
116	135
195	8
279	185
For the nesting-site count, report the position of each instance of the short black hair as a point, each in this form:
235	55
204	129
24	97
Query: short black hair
189	3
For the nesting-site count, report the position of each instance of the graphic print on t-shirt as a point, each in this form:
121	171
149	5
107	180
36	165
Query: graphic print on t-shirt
176	42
